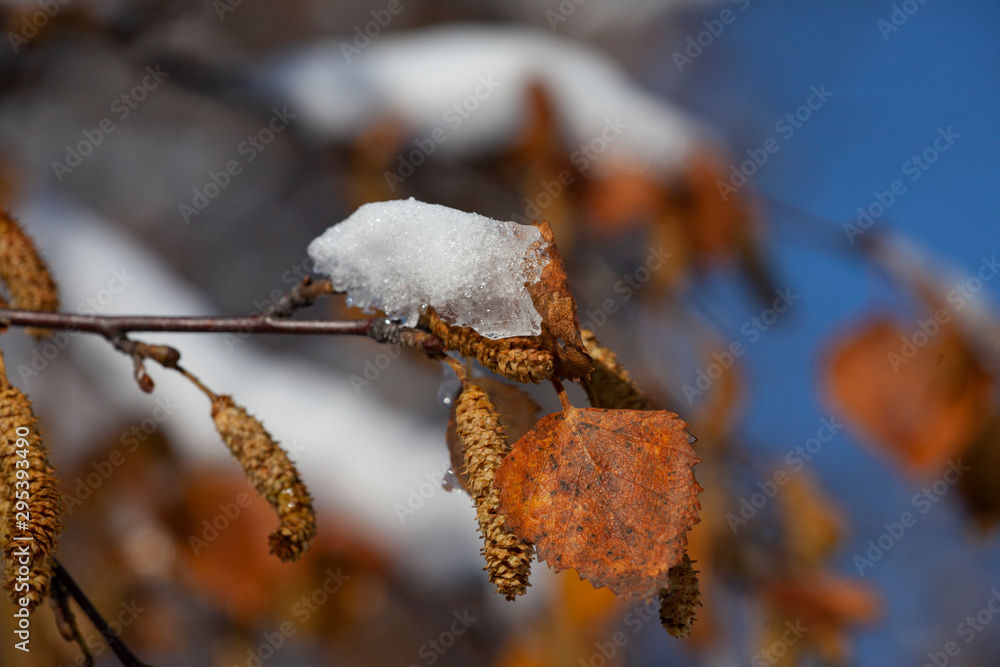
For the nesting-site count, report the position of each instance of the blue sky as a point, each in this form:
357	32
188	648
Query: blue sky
893	90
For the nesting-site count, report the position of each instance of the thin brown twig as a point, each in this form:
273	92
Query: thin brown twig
115	642
380	329
66	621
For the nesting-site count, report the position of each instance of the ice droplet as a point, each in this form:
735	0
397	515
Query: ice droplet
450	387
451	482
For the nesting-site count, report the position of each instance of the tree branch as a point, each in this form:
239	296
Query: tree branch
113	328
117	646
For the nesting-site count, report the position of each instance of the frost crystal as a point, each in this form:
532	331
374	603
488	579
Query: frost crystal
403	256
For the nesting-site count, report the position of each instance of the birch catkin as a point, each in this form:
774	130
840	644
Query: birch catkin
680	602
24	272
272	474
609	385
477	424
31	505
521	359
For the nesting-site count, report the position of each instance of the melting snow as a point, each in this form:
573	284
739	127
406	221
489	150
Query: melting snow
402	256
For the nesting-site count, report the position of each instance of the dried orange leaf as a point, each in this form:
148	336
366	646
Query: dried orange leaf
556	305
924	405
610	493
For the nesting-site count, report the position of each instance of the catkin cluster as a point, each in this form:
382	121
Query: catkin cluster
609	385
272	474
30	502
25	273
522	359
477	424
679	604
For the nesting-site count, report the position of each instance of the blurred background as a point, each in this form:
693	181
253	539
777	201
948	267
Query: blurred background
778	214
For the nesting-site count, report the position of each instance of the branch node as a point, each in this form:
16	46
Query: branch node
386	331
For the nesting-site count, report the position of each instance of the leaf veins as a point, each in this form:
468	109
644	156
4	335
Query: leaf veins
610	493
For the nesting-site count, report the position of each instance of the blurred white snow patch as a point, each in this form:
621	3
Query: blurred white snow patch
464	88
589	18
402	256
358	456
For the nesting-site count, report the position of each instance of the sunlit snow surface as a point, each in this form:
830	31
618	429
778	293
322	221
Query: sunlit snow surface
401	256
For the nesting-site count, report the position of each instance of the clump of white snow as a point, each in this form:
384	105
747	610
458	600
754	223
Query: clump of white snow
402	256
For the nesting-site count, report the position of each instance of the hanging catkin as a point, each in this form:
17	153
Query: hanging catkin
609	385
477	424
681	601
272	474
521	359
24	272
31	505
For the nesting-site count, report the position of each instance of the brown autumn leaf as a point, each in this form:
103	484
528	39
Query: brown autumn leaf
518	413
978	486
610	493
822	609
924	405
555	303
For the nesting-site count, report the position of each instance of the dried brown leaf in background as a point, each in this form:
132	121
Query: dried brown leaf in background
25	273
811	526
978	485
924	406
824	607
610	493
272	474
